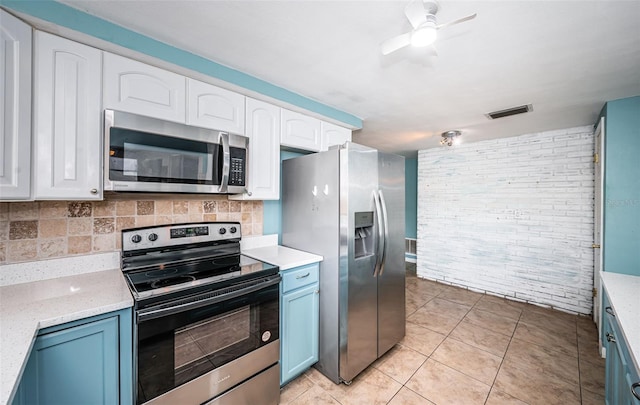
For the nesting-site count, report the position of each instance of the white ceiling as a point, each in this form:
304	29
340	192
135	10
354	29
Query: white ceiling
565	57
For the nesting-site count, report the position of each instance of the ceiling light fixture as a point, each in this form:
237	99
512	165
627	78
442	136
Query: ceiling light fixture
450	137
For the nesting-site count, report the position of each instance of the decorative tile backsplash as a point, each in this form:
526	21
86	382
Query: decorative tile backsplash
47	229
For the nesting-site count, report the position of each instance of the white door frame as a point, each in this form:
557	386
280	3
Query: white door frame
598	220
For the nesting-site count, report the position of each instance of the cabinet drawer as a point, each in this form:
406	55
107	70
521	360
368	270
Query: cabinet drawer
299	277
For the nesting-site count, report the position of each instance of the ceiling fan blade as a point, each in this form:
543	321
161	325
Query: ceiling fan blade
467	18
416	13
395	43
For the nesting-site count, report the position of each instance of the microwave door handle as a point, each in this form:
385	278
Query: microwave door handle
226	162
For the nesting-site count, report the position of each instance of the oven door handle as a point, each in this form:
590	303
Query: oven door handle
148	314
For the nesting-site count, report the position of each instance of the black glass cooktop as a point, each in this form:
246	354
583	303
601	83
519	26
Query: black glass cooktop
162	279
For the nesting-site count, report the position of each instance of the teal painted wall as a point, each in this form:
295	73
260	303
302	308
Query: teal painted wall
272	210
272	218
411	198
63	15
621	253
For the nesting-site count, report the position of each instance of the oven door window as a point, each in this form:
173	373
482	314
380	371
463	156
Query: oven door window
140	156
177	348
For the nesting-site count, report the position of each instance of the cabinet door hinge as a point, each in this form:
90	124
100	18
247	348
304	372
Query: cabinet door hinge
594	292
596	158
595	246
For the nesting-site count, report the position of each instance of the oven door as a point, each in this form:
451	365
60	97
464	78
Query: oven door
147	154
182	346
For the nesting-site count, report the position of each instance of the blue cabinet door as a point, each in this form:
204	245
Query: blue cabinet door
619	376
299	331
620	372
78	365
614	370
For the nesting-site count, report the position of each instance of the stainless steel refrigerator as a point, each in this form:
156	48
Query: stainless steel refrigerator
347	204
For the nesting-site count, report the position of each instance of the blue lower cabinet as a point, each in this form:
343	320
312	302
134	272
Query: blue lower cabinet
84	362
299	321
620	372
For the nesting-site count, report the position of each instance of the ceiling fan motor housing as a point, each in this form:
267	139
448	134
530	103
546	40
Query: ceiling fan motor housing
430	6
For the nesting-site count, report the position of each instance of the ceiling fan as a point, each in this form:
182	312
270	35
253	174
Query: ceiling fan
422	16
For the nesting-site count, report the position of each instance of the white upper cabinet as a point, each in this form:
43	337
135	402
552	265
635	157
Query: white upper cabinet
209	106
15	108
263	130
334	135
300	131
139	88
67	117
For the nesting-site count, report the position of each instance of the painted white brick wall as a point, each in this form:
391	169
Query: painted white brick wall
512	217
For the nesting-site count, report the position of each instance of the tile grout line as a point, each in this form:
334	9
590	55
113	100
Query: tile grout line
404	385
504	357
579	363
436	348
445	338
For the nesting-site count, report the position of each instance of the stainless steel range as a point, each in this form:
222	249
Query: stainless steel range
206	317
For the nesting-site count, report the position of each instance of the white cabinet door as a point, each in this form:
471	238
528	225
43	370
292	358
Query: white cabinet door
15	108
263	130
67	117
139	88
209	106
300	131
334	135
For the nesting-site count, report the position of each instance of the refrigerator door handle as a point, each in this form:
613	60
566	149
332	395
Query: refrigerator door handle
379	234
386	231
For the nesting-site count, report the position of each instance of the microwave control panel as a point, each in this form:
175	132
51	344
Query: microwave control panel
237	171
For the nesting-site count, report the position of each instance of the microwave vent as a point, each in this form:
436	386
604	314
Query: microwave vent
510	111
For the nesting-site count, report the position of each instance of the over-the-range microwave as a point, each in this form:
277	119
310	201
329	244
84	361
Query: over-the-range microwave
150	155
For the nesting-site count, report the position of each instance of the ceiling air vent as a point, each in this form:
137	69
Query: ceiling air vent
510	111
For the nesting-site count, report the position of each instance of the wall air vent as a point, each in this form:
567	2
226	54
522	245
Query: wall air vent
510	111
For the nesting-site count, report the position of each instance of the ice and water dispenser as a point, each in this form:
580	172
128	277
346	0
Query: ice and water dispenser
363	240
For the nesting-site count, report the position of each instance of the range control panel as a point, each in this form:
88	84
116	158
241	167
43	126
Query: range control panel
189	231
151	237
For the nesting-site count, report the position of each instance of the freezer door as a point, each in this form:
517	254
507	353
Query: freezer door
391	281
358	286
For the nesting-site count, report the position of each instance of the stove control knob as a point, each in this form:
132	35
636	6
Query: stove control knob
222	231
136	238
233	229
153	237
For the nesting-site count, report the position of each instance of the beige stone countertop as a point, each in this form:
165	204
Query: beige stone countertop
283	257
29	306
265	248
624	296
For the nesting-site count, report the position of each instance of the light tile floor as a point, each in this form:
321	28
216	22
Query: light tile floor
463	347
